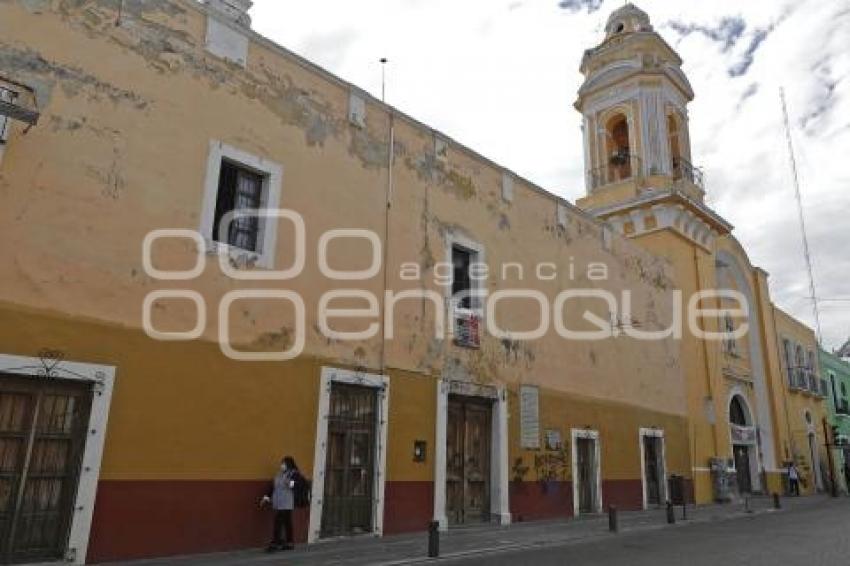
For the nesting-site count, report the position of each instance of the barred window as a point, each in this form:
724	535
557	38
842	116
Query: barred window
789	361
462	259
8	96
239	189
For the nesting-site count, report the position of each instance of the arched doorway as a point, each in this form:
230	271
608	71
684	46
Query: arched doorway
743	444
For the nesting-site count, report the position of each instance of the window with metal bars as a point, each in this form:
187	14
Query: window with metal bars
8	96
462	260
239	190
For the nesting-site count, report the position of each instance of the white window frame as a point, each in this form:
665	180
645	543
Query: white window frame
102	377
272	174
653	433
575	434
331	375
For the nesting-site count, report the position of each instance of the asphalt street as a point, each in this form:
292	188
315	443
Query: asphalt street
812	536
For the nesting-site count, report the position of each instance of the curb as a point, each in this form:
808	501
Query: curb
575	540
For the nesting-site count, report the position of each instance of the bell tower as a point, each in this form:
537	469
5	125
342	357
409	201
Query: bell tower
637	151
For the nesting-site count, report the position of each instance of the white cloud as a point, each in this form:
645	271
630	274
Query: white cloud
501	76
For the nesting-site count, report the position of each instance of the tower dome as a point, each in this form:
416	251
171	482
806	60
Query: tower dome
627	19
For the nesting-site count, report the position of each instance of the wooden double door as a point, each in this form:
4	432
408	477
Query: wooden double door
349	498
468	440
43	426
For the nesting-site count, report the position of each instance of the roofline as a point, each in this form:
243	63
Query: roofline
390	109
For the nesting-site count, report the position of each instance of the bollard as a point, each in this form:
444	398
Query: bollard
684	511
434	539
613	523
747	505
776	503
671	515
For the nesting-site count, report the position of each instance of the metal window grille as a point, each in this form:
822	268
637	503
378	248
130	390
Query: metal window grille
7	96
239	189
462	260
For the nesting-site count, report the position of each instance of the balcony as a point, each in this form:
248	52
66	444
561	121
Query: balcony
467	329
17	102
621	166
798	380
685	170
814	383
842	408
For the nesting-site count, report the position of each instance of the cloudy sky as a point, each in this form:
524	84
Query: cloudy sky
500	76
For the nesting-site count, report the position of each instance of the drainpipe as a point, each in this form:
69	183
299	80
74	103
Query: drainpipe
387	209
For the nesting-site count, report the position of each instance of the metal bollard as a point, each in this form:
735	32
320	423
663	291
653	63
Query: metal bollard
433	539
613	522
776	503
671	515
684	511
747	505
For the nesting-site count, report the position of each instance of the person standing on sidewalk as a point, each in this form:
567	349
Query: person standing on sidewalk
794	479
281	495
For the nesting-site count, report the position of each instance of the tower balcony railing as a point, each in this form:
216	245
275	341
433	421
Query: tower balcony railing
684	169
621	166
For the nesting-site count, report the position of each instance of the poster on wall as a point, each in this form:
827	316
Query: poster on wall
529	409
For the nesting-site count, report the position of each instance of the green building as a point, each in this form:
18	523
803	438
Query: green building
836	371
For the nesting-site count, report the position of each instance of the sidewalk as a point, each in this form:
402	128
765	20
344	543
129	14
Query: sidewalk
484	539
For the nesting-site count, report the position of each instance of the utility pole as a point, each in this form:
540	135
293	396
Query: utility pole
812	294
383	61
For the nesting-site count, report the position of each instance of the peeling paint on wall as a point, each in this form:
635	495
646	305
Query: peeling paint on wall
25	64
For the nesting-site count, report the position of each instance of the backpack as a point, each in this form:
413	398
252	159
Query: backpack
301	491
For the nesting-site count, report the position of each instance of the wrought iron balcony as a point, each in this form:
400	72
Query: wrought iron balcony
684	169
621	166
467	329
814	383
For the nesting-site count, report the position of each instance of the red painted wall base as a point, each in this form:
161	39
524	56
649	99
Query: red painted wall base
145	519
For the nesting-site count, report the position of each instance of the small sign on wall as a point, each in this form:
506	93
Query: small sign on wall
529	408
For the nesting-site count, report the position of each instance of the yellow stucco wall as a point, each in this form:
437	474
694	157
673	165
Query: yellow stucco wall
801	439
83	188
90	169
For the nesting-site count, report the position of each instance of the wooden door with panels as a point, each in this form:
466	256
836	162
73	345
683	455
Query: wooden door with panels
43	424
468	439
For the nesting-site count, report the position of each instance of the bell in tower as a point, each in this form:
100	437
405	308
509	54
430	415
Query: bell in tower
634	102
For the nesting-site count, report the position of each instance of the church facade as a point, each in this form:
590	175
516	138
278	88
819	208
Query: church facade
219	254
642	181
